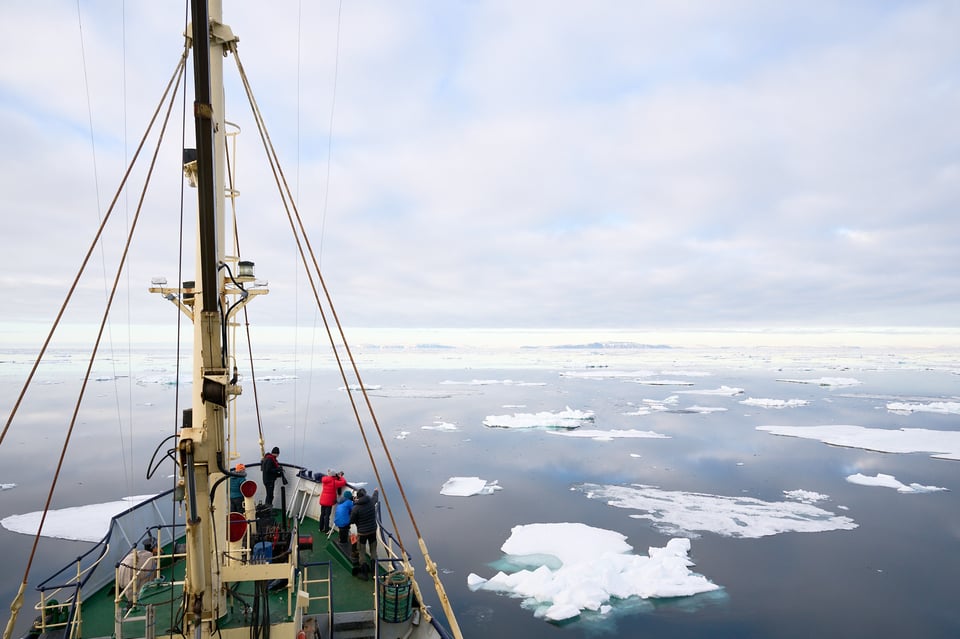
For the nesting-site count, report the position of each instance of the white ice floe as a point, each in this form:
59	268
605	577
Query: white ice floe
889	481
606	374
677	512
724	391
806	496
403	434
491	382
774	403
279	379
562	569
609	435
467	486
825	381
7	486
353	387
943	444
568	418
687	373
79	523
443	426
662	382
943	408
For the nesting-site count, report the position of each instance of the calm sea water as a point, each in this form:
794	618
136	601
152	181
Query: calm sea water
894	575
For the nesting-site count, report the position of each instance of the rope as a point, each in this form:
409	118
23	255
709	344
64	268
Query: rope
66	443
246	317
285	195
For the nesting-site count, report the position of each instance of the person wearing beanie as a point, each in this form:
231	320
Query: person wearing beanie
272	470
236	480
341	516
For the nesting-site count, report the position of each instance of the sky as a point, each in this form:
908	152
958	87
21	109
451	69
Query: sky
496	164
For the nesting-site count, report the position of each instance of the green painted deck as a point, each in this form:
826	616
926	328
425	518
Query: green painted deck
163	597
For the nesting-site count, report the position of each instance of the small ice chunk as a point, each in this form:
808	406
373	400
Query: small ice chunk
467	486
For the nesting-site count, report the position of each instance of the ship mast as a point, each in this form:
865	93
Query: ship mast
201	440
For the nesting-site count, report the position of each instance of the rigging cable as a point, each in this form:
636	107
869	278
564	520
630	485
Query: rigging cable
285	195
18	600
127	472
246	316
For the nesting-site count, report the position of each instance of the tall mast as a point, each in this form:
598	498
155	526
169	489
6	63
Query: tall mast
201	440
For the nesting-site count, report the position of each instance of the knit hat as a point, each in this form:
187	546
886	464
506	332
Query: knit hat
241	468
347	495
275	451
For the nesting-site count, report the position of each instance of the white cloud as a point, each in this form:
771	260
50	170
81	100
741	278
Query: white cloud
530	163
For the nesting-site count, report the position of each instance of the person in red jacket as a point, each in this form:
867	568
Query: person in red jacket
332	483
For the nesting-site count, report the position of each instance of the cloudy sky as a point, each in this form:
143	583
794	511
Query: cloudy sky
512	164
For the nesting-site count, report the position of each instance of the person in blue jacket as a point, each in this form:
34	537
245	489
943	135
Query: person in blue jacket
341	516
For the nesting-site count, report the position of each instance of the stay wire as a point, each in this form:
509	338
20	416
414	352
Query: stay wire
127	472
285	195
106	312
86	259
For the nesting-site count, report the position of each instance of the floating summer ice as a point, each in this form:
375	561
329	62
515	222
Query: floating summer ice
79	523
468	486
609	435
685	513
568	418
555	577
889	481
942	443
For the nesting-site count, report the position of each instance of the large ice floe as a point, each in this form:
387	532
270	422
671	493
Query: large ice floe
569	418
942	408
79	523
944	444
609	435
889	481
689	514
468	486
563	569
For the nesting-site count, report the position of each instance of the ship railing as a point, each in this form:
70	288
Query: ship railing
323	586
55	614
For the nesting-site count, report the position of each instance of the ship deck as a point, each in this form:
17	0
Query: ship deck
328	578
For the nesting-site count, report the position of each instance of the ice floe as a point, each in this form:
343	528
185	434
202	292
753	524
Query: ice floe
7	486
889	481
568	418
563	569
442	426
826	381
79	523
468	486
492	382
774	403
687	513
806	496
606	374
609	435
943	408
943	444
724	391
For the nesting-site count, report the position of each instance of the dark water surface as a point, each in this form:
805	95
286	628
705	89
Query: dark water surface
894	575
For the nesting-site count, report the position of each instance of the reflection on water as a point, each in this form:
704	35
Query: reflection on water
891	575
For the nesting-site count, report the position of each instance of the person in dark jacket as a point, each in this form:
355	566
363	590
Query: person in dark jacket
364	515
332	483
272	470
236	497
